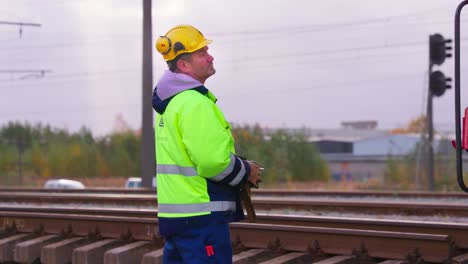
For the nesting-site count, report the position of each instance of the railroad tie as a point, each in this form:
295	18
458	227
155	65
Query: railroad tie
462	259
250	256
131	253
30	250
338	260
287	258
155	257
8	244
61	252
94	253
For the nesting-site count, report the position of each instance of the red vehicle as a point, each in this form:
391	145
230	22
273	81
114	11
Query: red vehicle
461	142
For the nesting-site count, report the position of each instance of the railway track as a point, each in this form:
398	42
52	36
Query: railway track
120	228
457	231
62	237
258	192
370	206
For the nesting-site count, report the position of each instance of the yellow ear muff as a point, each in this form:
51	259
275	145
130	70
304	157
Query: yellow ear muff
163	45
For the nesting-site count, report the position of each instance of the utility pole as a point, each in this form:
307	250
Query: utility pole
148	160
430	136
20	146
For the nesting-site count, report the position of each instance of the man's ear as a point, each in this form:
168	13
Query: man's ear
183	66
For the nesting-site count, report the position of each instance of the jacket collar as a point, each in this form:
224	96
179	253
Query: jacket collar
160	105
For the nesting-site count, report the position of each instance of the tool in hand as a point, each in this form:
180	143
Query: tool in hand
246	194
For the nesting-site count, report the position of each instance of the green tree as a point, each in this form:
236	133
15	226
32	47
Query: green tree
286	154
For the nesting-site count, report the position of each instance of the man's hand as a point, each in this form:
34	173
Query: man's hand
255	175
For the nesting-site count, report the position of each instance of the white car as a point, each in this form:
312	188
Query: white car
63	184
135	182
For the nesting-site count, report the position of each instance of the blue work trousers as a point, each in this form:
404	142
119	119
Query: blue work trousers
209	244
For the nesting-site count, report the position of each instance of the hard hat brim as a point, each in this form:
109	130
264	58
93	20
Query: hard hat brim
203	44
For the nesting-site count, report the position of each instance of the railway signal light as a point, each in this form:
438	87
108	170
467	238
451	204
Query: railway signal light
438	83
439	49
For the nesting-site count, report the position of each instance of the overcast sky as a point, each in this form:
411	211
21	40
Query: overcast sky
295	63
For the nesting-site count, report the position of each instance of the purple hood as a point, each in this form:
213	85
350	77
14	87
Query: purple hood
170	84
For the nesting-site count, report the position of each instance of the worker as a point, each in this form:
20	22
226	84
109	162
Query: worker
198	171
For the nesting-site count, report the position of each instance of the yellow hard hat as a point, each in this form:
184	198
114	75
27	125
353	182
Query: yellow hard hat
179	40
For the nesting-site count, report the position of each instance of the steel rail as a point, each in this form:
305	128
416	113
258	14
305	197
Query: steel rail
257	192
363	207
335	205
382	194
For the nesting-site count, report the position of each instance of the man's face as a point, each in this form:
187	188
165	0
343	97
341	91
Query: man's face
200	65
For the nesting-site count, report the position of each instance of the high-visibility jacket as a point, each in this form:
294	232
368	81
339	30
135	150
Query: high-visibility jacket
198	173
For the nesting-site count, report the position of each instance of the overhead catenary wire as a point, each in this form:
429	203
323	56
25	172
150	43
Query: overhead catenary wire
312	89
288	30
300	54
82	74
362	22
87	74
24	71
325	86
317	27
315	62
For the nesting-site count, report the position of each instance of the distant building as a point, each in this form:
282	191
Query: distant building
360	151
334	146
362	125
341	140
360	155
386	145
